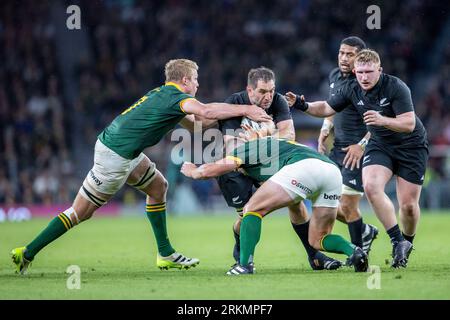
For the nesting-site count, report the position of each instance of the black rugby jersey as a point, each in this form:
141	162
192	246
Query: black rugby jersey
349	127
391	97
279	109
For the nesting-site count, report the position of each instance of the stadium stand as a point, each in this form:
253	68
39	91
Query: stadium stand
130	41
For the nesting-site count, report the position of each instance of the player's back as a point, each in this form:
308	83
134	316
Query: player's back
145	122
264	157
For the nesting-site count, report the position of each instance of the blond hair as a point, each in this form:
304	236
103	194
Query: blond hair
367	56
176	69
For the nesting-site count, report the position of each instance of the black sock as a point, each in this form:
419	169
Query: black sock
237	238
395	234
409	238
237	246
355	229
302	232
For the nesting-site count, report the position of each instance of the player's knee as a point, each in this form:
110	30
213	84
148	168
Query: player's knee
256	209
165	184
372	189
409	209
349	209
158	190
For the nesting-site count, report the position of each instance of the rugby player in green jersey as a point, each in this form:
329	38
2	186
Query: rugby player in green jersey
119	159
290	172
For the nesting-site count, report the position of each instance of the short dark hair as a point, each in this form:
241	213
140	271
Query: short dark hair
261	73
354	42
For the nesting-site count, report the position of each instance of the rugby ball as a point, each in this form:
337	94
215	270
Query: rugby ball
258	125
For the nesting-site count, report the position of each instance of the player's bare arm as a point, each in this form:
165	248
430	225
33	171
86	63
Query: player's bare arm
209	170
219	111
327	126
405	122
188	122
285	129
355	153
319	109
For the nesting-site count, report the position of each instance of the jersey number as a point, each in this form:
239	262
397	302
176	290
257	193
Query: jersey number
139	102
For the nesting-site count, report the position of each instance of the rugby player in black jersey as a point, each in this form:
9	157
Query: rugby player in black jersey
237	188
350	139
398	146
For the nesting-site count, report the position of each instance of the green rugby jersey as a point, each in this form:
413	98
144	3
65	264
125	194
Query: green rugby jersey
144	123
264	157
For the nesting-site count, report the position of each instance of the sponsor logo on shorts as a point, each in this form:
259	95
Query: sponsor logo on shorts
96	180
331	196
300	186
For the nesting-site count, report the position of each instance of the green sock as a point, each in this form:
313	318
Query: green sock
56	228
156	213
336	244
250	234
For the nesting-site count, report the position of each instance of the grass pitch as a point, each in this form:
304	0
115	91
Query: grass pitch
117	258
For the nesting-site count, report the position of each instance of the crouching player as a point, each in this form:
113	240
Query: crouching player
291	172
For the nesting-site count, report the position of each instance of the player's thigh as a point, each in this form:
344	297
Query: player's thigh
236	188
270	196
408	193
375	178
378	168
106	177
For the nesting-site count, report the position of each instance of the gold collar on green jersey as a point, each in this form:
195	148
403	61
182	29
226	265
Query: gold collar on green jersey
170	83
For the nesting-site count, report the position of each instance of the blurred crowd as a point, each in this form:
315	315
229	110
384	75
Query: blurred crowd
131	40
35	163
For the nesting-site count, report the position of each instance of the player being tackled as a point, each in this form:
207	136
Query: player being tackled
290	172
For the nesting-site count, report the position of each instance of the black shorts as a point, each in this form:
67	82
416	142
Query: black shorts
407	163
236	188
350	178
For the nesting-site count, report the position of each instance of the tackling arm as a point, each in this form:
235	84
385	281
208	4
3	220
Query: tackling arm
220	111
209	170
286	129
188	122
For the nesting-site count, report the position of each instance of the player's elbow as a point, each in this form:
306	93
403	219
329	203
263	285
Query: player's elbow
410	129
208	112
410	126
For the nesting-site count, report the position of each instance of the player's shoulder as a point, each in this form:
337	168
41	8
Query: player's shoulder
394	80
394	84
240	97
334	74
279	100
350	86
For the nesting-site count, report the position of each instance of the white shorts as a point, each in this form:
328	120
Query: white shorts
313	179
111	171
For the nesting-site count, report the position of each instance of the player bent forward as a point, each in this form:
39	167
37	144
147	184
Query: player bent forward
119	159
292	173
